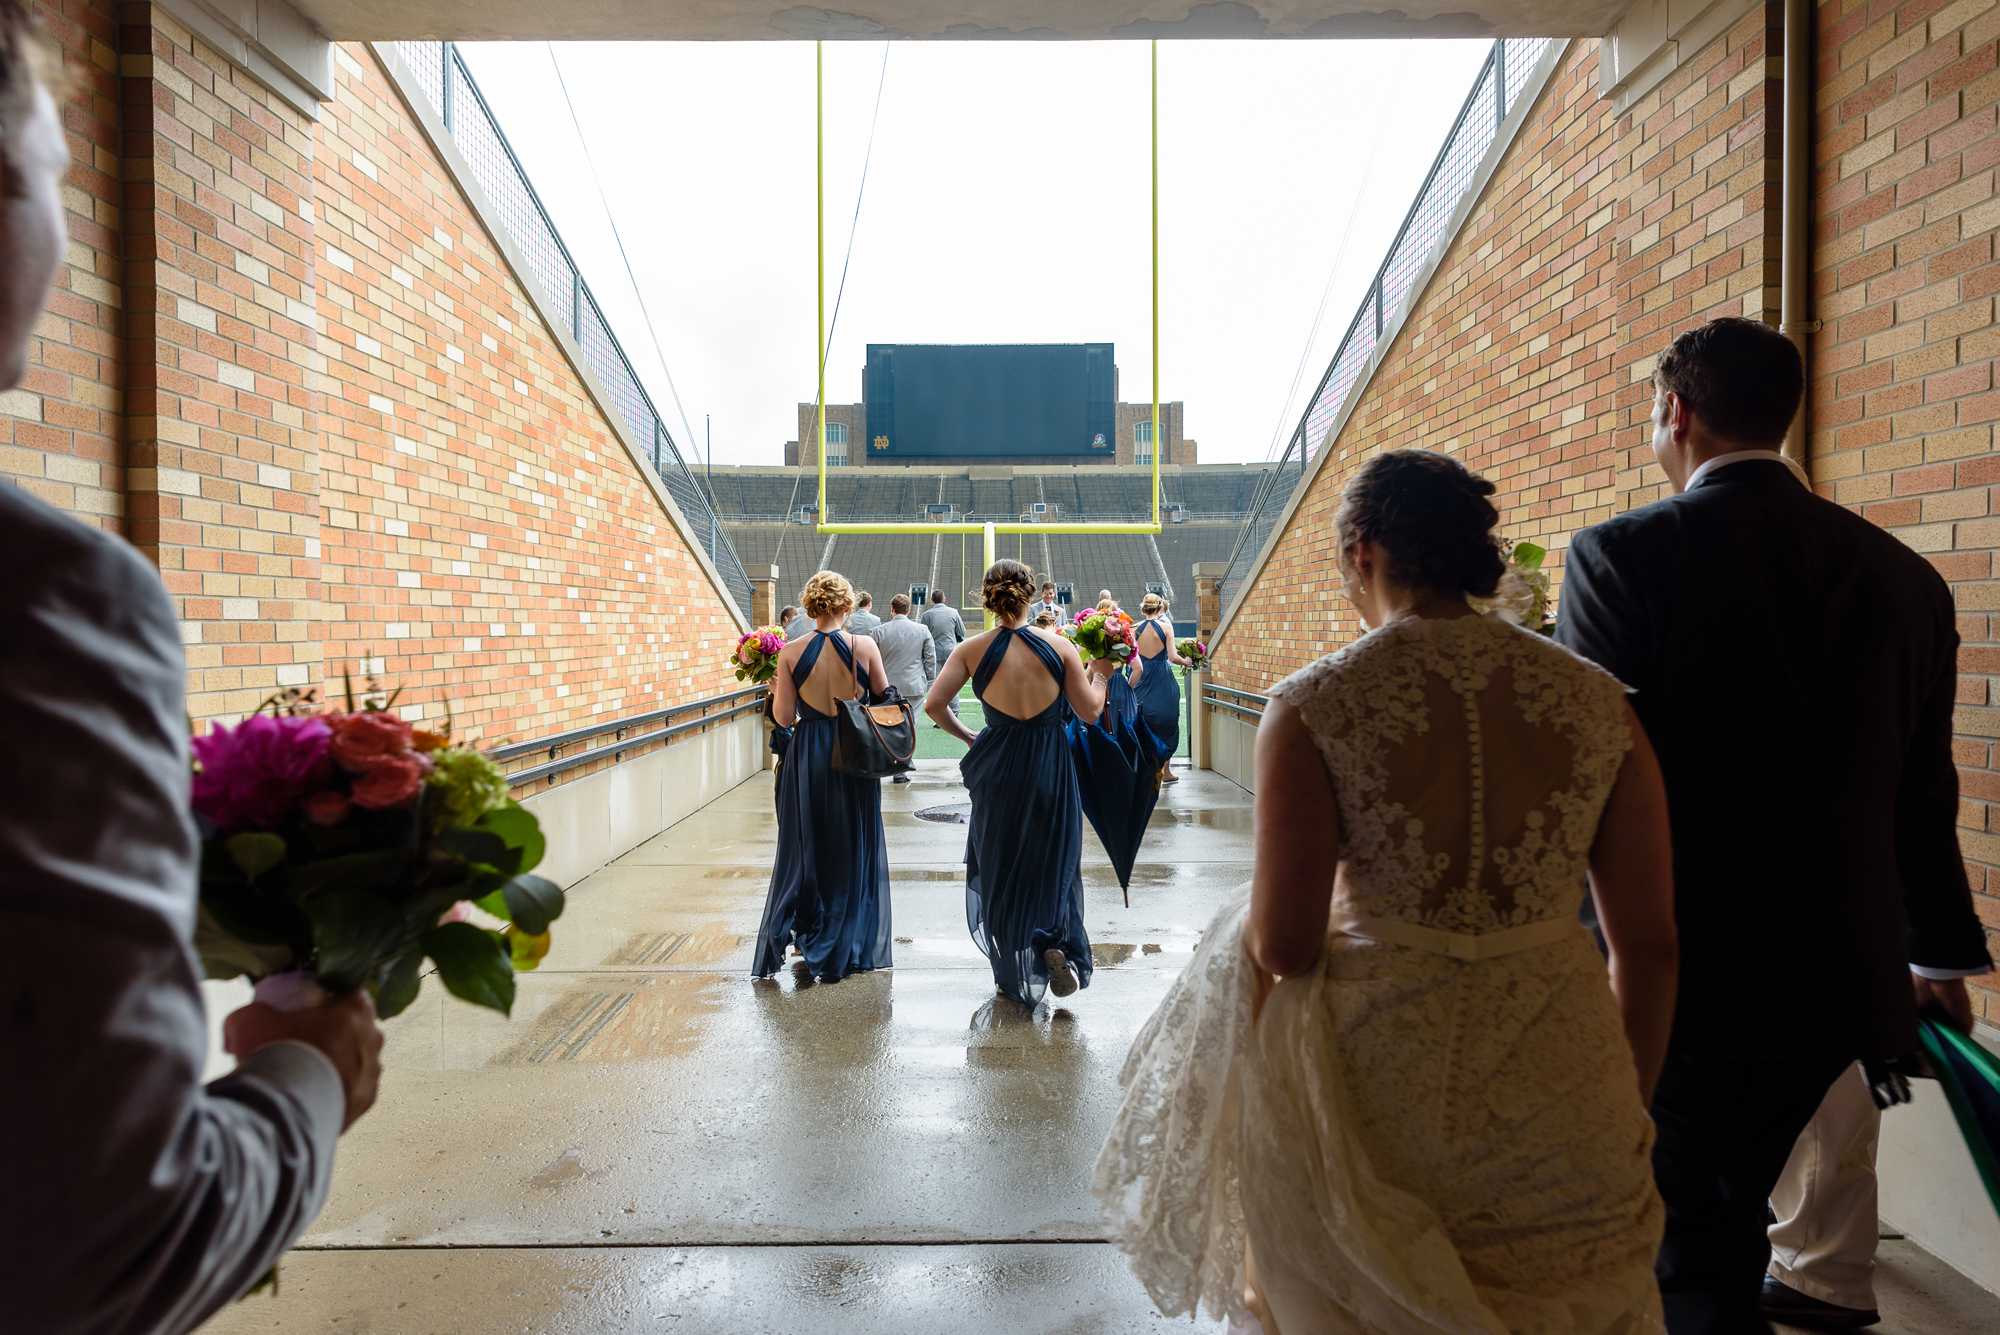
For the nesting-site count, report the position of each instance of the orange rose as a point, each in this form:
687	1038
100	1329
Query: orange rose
326	808
392	781
365	739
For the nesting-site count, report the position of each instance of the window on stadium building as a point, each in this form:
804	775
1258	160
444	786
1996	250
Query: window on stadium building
836	444
1142	442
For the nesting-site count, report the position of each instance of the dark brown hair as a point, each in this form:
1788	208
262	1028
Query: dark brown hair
1008	590
1742	378
1430	514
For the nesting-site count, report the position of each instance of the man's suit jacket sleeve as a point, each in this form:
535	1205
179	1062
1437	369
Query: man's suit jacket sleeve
132	1198
930	658
1945	932
1603	617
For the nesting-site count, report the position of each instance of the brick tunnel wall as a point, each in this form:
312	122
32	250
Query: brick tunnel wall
288	362
1604	233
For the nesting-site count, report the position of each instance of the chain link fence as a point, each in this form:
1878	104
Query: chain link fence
476	131
1494	90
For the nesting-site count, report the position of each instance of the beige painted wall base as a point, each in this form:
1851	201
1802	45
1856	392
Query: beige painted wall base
1232	748
590	821
1930	1190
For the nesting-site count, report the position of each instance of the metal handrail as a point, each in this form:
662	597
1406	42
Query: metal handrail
624	744
1210	688
1504	70
587	325
1254	715
515	750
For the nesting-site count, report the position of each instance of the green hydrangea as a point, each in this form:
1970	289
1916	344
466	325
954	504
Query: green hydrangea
465	785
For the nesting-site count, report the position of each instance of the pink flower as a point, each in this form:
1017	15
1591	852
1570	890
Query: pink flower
253	774
364	739
459	912
326	807
746	653
393	781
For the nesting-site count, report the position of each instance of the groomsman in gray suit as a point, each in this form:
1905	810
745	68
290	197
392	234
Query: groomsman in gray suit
133	1197
909	656
862	620
947	630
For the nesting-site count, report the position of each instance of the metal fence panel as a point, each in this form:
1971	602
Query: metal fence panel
476	132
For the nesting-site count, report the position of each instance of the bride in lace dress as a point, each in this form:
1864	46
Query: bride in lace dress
1395	1090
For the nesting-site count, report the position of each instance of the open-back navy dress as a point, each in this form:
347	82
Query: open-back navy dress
1159	694
1024	852
830	886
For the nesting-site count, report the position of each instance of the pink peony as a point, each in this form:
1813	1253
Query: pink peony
393	781
459	912
364	739
253	774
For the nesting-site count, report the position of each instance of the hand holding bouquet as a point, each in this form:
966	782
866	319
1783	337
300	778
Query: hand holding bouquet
1106	635
341	850
756	655
1523	596
1195	652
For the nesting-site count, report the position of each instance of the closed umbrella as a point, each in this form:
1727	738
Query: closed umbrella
1971	1079
1118	778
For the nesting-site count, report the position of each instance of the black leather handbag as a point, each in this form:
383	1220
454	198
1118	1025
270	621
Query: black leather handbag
875	741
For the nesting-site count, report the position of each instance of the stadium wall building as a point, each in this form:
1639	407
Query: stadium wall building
847	427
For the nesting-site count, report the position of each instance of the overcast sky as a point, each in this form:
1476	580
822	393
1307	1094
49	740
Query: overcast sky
1006	202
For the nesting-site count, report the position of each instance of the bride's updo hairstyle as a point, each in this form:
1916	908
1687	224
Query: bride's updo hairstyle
1008	590
1430	514
827	594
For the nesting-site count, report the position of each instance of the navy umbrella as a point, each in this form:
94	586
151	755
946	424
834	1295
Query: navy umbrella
1971	1079
1118	776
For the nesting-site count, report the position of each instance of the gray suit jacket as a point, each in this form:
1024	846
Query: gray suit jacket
801	625
909	659
863	622
132	1197
947	629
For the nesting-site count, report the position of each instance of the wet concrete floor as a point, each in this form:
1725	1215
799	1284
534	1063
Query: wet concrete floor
654	1141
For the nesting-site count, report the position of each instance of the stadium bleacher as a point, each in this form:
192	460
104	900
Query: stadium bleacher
754	501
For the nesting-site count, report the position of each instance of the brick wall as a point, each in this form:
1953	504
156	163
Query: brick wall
59	430
1903	395
289	364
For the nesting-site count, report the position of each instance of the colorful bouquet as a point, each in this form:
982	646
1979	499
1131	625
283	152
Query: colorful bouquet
343	849
1523	596
1103	635
756	656
1195	652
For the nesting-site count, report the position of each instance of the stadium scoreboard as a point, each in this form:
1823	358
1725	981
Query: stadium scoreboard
990	400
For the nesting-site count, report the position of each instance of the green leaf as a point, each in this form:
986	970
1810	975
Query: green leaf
472	964
481	846
532	903
526	951
495	903
398	983
378	869
352	931
1528	556
518	827
255	852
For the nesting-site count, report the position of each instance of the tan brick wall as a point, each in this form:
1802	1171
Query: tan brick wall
1903	394
221	430
59	432
486	535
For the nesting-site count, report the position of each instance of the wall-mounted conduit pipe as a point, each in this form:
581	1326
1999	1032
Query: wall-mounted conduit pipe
1795	264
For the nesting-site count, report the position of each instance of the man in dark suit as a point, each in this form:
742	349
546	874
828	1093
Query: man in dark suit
1795	669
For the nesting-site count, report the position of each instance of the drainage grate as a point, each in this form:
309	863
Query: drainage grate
952	813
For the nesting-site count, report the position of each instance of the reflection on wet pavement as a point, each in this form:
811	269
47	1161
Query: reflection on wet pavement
898	1151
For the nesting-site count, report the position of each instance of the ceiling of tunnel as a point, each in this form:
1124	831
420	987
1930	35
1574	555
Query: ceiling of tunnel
874	20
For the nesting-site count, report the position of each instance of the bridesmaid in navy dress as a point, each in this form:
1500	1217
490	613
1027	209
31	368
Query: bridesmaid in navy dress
829	892
1154	688
1121	700
1024	851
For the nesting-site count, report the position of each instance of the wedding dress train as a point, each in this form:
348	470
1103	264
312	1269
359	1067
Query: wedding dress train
1439	1128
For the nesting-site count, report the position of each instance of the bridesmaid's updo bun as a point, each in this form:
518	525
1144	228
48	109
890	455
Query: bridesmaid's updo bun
827	594
1430	514
1008	590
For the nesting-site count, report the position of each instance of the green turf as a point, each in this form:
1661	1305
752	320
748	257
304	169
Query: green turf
937	744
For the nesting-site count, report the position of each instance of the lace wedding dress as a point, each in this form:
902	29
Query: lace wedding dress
1439	1129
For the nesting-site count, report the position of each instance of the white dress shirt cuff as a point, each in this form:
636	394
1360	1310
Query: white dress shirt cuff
1943	975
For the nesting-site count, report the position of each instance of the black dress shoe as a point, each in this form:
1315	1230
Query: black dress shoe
1781	1302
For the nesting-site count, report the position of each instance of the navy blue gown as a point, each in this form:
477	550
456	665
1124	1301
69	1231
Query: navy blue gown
1121	703
1024	851
1158	693
830	886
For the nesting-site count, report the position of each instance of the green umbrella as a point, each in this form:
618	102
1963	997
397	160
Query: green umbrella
1971	1079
